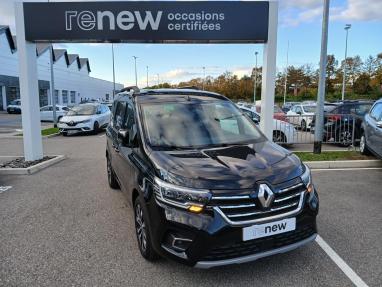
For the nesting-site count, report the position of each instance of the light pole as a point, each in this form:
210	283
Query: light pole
321	82
147	76
255	84
204	76
112	55
286	74
347	27
135	64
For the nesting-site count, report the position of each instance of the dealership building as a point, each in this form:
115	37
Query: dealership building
72	81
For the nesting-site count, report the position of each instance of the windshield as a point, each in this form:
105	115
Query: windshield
310	109
197	124
82	110
15	102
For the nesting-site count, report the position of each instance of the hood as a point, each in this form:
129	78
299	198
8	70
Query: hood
233	167
75	118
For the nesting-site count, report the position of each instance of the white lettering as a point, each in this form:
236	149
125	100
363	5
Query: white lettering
101	15
68	19
86	20
123	18
148	19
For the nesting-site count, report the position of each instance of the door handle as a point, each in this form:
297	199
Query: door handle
116	148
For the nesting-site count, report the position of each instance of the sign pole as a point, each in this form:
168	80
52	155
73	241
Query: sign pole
321	82
29	95
269	73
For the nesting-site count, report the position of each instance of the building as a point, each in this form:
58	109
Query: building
72	81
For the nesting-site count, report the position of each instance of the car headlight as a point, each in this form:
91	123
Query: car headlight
186	198
85	122
307	178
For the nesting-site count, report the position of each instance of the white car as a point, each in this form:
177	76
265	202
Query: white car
90	117
14	107
283	132
46	113
301	115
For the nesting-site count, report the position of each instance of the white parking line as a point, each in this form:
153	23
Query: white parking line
342	169
4	188
101	136
357	281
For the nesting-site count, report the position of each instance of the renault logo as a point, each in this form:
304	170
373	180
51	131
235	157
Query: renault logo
265	195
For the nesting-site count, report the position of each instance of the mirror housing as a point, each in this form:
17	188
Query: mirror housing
123	135
379	124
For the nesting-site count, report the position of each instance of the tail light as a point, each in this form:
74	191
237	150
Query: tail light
334	118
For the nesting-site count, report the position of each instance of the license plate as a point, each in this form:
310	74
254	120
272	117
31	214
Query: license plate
269	229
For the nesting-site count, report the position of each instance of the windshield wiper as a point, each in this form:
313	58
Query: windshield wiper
227	118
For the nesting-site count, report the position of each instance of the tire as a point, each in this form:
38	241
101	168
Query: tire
303	125
111	178
59	118
142	232
363	145
343	137
279	137
65	134
96	128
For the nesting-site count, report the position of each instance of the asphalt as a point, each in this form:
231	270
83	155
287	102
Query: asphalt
64	226
9	123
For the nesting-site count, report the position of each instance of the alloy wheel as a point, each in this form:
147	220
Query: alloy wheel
140	227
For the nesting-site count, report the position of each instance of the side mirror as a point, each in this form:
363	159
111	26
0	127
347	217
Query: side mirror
123	135
299	113
256	120
379	124
98	112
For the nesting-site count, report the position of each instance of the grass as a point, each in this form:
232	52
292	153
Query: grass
46	132
331	156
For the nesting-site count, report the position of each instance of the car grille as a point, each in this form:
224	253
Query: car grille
246	208
245	248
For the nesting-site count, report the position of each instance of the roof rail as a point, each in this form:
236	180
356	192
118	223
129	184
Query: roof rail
188	87
135	90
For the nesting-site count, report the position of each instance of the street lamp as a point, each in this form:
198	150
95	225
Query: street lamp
112	55
255	84
147	76
286	74
135	64
204	76
347	27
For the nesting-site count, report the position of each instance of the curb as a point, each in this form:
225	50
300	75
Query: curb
32	169
52	135
344	164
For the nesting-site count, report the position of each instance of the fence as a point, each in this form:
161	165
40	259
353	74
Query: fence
299	129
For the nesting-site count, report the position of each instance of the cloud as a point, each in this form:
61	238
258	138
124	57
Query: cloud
360	10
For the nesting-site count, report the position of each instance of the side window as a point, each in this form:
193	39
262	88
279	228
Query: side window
130	117
361	110
298	110
51	109
119	115
376	112
44	109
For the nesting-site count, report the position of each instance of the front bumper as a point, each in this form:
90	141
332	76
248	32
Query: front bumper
79	127
212	241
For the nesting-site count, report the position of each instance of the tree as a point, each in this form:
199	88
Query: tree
331	70
362	84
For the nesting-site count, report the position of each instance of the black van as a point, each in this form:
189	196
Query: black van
208	189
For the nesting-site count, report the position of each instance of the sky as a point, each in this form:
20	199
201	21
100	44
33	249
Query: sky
299	24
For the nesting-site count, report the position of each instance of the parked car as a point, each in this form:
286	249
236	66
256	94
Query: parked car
278	113
90	117
371	131
207	188
341	118
302	115
14	107
283	132
288	105
46	113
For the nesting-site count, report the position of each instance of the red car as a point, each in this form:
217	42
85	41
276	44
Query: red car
278	113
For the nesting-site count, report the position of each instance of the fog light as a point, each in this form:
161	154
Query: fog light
310	188
195	208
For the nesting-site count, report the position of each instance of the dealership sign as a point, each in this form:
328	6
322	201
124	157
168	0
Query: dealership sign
148	21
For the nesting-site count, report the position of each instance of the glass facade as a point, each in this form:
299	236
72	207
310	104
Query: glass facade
72	97
64	97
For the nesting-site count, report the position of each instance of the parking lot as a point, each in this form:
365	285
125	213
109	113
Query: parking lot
64	226
11	123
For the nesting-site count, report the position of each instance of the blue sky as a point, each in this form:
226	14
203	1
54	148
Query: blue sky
299	23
